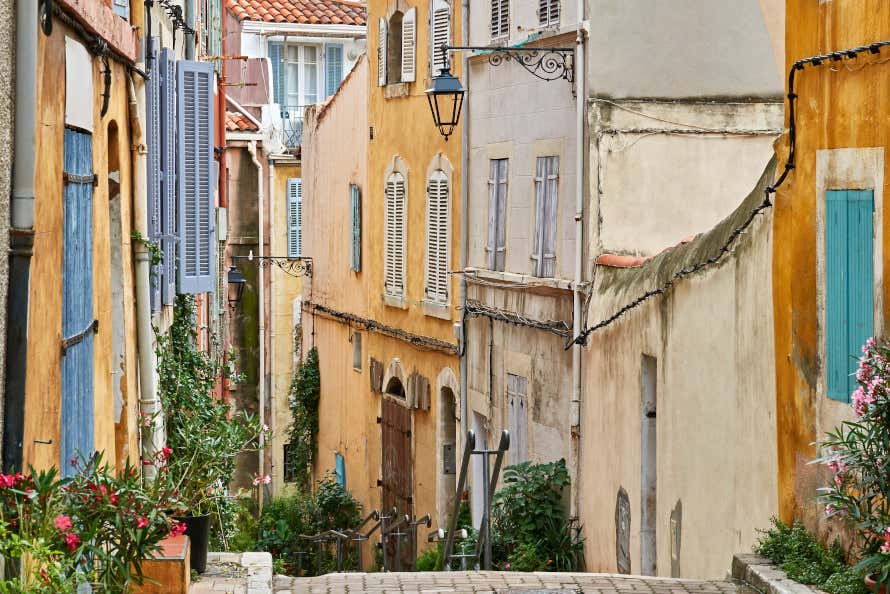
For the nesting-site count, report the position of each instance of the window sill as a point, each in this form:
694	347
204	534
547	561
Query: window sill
509	278
394	301
436	310
393	90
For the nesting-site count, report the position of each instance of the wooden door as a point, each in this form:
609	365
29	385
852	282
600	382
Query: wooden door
397	479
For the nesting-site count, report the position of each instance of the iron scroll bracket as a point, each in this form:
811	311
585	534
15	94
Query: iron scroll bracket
295	267
69	342
546	63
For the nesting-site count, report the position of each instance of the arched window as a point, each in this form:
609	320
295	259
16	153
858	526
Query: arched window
394	250
397	39
437	237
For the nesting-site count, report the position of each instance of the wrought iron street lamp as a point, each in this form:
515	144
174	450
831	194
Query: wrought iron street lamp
445	96
236	282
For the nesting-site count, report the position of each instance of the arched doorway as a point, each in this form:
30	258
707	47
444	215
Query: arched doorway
448	450
397	480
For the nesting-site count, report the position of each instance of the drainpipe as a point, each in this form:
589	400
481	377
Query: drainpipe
190	22
271	421
149	403
21	235
580	105
251	149
464	227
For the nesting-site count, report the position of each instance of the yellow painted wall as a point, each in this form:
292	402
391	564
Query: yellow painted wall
43	379
840	106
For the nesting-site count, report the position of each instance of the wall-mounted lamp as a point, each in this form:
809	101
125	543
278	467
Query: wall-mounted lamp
236	282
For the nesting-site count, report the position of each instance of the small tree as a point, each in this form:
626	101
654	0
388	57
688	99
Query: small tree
305	391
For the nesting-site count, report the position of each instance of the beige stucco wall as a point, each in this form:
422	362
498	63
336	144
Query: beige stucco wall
712	336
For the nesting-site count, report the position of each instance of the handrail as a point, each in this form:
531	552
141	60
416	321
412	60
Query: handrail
469	446
485	526
413	525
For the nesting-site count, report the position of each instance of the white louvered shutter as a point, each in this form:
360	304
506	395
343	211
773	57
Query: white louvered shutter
195	173
381	54
167	71
517	417
394	266
548	12
294	218
440	34
546	184
153	145
497	214
437	237
409	45
500	18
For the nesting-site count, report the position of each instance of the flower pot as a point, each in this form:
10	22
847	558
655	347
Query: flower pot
874	586
197	528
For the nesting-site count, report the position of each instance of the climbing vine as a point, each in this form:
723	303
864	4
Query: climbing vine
305	390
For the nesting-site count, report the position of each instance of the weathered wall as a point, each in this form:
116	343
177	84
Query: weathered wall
712	337
7	113
841	142
43	381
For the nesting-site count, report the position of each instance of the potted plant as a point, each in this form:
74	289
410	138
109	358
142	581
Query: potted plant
858	455
204	437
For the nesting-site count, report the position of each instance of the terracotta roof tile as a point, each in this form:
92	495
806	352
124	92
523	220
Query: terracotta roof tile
320	12
621	261
238	122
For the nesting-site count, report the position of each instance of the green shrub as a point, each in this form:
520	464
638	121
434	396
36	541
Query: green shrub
849	581
430	560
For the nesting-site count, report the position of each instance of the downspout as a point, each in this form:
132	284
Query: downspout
464	227
21	236
149	402
580	106
261	384
190	22
271	421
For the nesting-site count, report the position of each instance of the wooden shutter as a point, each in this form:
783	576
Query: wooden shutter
122	8
849	277
546	184
394	274
437	237
276	58
517	417
409	44
340	469
153	144
294	218
500	18
333	58
356	198
497	214
548	12
169	239
195	172
440	34
381	53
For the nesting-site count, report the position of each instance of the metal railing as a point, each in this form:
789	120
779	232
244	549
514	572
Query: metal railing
292	125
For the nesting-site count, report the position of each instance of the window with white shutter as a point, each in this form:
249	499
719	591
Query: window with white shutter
381	53
548	12
437	237
294	218
333	71
167	72
409	44
546	185
517	417
196	265
440	34
355	197
394	250
500	19
497	214
153	145
122	8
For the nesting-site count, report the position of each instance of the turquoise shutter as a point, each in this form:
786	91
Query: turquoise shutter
849	277
153	145
276	57
356	197
333	57
294	218
340	469
196	263
167	71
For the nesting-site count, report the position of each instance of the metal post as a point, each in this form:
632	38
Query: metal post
486	517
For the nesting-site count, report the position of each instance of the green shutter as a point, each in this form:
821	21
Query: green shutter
849	279
356	197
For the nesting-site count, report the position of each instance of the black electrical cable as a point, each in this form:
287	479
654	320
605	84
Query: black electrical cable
95	43
848	54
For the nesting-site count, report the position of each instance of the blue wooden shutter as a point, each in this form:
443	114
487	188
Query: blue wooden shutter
153	142
333	58
78	323
167	71
294	217
340	469
849	277
195	198
122	8
276	57
355	194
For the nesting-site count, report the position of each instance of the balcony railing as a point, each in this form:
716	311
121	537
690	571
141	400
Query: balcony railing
292	125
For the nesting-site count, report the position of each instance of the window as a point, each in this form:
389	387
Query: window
294	218
122	8
333	58
546	184
298	80
517	417
340	469
548	12
500	18
397	39
355	197
357	351
301	75
195	177
849	276
497	214
394	252
437	237
440	34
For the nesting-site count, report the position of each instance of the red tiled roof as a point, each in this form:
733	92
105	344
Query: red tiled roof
238	122
304	12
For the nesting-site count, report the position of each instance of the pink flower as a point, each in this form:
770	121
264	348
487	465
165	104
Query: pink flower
7	480
141	523
838	480
71	541
177	528
63	523
264	480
